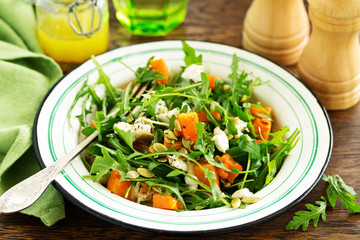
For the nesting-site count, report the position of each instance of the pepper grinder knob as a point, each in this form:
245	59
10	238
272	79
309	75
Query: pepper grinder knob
330	63
276	29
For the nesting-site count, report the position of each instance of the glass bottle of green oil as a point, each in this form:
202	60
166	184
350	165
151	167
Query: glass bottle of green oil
150	17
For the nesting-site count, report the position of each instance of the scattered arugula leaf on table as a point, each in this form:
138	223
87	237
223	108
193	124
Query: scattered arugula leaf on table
303	217
336	189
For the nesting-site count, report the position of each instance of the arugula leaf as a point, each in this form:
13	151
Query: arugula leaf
82	92
277	137
87	131
95	99
272	170
104	79
205	91
234	69
126	97
145	74
215	189
175	173
190	55
240	86
338	189
303	217
97	123
243	115
148	75
83	116
203	137
102	165
126	136
278	158
200	100
114	142
93	150
123	164
246	145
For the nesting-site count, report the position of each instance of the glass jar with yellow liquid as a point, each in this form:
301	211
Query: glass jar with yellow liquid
71	31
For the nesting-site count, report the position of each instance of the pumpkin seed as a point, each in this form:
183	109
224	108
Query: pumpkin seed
159	147
223	181
235	202
156	189
177	125
227	184
183	150
227	88
244	98
146	136
250	200
162	160
132	174
168	140
169	134
186	144
145	172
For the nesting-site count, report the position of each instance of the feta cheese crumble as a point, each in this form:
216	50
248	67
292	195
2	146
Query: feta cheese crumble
193	72
165	117
124	126
161	107
176	162
221	140
138	130
191	184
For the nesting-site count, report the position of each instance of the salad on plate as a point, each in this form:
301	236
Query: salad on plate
182	141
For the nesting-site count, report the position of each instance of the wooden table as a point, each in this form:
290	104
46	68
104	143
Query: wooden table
221	22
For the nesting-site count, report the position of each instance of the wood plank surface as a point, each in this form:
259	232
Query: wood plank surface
217	21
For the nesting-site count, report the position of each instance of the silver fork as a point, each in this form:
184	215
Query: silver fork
26	192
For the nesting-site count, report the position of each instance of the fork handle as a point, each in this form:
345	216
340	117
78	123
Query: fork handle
26	192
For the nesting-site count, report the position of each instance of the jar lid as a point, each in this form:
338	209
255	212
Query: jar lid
78	29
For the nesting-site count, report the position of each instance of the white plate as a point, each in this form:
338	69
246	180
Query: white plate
293	104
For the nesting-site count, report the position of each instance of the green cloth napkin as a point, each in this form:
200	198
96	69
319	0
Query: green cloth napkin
17	24
25	77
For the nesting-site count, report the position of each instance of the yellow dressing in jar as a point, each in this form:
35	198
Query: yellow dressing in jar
60	41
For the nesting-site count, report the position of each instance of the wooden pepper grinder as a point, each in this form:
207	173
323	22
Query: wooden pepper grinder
276	29
330	63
